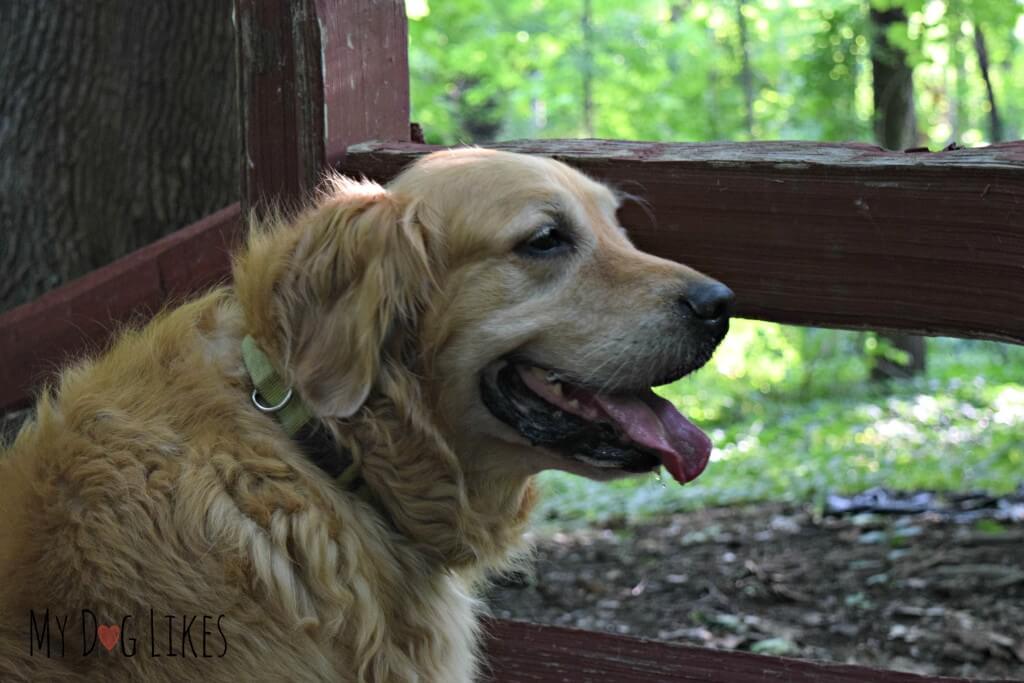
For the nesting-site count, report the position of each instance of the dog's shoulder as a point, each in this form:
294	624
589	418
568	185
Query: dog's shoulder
146	485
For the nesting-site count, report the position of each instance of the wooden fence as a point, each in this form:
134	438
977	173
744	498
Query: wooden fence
843	235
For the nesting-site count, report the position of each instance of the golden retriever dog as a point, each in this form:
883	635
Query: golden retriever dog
442	340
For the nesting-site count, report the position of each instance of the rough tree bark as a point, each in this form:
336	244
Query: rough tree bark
117	126
895	128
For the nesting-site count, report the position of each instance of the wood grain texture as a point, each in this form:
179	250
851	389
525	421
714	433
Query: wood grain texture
366	82
519	652
314	77
839	235
281	100
38	337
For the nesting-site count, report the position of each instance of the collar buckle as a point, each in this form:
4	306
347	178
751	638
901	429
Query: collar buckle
263	408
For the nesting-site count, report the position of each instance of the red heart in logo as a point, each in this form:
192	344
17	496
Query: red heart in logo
109	635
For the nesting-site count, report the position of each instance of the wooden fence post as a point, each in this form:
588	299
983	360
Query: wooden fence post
315	76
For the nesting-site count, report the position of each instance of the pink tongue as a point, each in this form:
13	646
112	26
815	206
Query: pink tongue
646	419
653	422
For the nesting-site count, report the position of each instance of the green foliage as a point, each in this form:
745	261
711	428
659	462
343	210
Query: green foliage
789	410
792	419
670	70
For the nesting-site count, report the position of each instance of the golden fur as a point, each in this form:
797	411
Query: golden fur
146	484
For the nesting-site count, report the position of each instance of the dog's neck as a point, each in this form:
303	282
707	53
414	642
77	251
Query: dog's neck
272	396
470	521
466	520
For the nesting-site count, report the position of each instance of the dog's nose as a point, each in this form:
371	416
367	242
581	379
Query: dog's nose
710	301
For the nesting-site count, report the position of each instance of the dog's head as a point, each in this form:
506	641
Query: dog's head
503	288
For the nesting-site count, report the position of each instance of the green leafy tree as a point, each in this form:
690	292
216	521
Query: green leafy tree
701	70
694	70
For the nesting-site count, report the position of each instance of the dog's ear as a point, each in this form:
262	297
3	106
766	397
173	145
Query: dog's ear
334	293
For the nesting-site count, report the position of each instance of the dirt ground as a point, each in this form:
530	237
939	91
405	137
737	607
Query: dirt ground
939	592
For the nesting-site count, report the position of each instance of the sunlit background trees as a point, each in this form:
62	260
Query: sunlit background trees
701	70
791	411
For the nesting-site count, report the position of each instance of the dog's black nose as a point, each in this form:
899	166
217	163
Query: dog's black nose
711	301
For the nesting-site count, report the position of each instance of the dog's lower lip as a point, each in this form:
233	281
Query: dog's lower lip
631	431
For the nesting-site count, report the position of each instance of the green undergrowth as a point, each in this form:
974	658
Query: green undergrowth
793	418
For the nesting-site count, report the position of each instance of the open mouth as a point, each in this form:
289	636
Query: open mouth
632	432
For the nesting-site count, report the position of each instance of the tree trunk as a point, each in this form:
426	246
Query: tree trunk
895	128
711	99
587	30
995	125
895	119
958	98
117	126
746	72
1011	124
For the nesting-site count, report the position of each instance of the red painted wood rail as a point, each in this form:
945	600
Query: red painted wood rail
519	652
37	338
841	235
806	233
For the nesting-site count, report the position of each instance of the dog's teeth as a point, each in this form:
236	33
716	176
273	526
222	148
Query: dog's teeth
557	388
573	403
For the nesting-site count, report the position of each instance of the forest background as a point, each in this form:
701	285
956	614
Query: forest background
792	411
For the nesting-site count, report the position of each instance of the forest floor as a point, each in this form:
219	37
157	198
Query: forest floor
939	592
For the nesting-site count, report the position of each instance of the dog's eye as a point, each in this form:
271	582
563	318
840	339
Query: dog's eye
547	241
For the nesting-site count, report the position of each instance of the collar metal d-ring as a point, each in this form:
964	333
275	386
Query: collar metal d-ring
270	409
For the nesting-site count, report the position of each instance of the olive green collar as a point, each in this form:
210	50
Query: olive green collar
271	395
